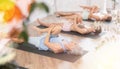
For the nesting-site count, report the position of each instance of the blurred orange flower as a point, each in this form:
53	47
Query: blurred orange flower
17	9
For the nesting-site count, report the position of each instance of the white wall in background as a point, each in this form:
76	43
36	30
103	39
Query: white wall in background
70	5
98	3
73	5
37	13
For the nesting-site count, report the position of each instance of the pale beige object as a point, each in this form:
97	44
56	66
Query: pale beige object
6	53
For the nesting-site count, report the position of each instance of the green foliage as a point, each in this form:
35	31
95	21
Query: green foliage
24	33
9	66
39	5
34	5
114	0
42	6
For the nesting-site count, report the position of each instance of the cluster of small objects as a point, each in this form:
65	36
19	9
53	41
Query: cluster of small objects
110	33
116	16
109	27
